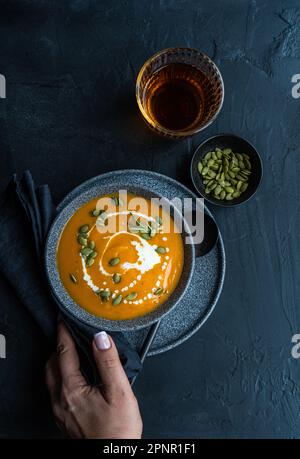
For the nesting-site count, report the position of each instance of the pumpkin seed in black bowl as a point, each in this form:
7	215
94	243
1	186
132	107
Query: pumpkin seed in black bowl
226	170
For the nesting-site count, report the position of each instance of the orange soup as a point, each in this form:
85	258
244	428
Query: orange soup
118	263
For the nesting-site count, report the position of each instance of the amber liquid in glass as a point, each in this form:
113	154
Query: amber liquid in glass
174	96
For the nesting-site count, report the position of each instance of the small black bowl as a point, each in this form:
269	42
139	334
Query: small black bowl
238	145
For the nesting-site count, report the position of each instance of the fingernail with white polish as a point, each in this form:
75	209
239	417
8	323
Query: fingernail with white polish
102	341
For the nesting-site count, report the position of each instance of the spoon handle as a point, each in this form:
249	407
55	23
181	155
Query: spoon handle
147	344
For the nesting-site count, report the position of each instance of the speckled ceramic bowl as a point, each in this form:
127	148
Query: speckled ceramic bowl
99	186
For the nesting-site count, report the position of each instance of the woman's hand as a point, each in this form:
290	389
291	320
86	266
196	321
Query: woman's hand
83	411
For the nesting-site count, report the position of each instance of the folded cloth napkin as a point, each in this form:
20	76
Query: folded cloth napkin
26	213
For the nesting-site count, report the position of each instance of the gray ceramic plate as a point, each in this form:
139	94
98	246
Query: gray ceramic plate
207	281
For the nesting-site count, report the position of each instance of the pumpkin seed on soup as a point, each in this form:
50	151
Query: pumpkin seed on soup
131	296
114	261
160	250
82	240
95	213
73	278
86	251
145	236
117	278
84	229
115	200
104	294
152	232
159	220
90	261
117	300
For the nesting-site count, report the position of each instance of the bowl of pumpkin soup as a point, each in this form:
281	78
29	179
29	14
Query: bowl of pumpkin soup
119	260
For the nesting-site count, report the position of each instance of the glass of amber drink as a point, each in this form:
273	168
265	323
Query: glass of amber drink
179	91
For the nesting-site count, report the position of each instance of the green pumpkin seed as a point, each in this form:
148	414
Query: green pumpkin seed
244	187
95	213
207	190
233	181
212	186
247	163
92	245
239	184
236	194
93	254
161	250
200	167
204	170
117	300
229	189
143	229
104	294
134	229
229	197
114	261
152	232
89	261
86	251
207	156
223	194
131	296
115	200
219	154
73	278
217	190
84	229
211	174
117	278
158	291
82	240
145	236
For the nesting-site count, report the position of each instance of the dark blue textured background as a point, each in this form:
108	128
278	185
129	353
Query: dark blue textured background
70	114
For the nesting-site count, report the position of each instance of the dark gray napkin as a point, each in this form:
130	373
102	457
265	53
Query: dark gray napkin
26	213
